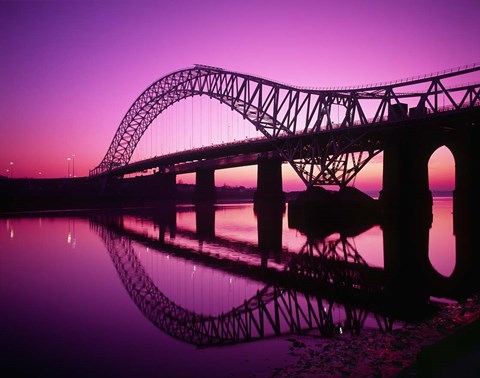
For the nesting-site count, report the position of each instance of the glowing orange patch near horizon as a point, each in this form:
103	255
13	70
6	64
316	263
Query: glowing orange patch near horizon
441	170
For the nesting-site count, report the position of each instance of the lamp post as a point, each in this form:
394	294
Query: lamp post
68	167
73	165
11	169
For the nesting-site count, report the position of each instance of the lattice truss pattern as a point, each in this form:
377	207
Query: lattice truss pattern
307	126
273	311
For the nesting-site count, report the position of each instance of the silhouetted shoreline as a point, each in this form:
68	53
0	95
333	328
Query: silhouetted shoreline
447	345
84	193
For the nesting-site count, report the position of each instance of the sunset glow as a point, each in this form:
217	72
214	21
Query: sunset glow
71	70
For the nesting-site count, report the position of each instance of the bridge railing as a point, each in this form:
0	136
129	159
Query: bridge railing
362	86
404	80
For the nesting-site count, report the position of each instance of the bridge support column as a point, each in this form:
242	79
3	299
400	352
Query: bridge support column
406	193
466	201
406	203
269	180
205	186
167	185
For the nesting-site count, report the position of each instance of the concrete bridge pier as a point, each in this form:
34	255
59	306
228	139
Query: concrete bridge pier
205	186
269	181
466	202
406	202
405	194
166	185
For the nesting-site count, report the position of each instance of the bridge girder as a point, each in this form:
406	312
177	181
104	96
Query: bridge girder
279	110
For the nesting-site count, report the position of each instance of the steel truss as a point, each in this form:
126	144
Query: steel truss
279	110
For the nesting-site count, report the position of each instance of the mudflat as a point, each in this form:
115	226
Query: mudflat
446	345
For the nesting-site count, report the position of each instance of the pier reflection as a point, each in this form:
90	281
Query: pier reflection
269	217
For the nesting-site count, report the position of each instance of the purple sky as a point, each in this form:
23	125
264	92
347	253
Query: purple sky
71	69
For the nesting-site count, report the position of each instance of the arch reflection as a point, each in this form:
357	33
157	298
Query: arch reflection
325	285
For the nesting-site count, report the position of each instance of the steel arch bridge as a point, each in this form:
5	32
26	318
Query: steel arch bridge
281	111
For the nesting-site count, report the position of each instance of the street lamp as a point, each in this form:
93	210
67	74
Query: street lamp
11	169
68	167
73	165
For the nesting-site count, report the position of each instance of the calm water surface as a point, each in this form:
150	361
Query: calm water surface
127	293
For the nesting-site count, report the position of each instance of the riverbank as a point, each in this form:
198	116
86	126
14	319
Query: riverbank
446	345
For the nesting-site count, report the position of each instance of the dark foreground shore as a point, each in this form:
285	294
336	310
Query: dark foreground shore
447	345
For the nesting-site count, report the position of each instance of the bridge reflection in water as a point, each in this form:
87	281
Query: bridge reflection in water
324	285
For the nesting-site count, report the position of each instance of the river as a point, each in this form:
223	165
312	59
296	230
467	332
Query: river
188	291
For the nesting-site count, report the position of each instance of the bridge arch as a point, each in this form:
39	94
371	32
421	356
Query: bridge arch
278	110
274	109
233	89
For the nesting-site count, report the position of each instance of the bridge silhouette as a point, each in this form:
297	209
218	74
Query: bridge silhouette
327	135
298	123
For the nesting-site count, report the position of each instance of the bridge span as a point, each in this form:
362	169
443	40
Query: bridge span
286	114
327	135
